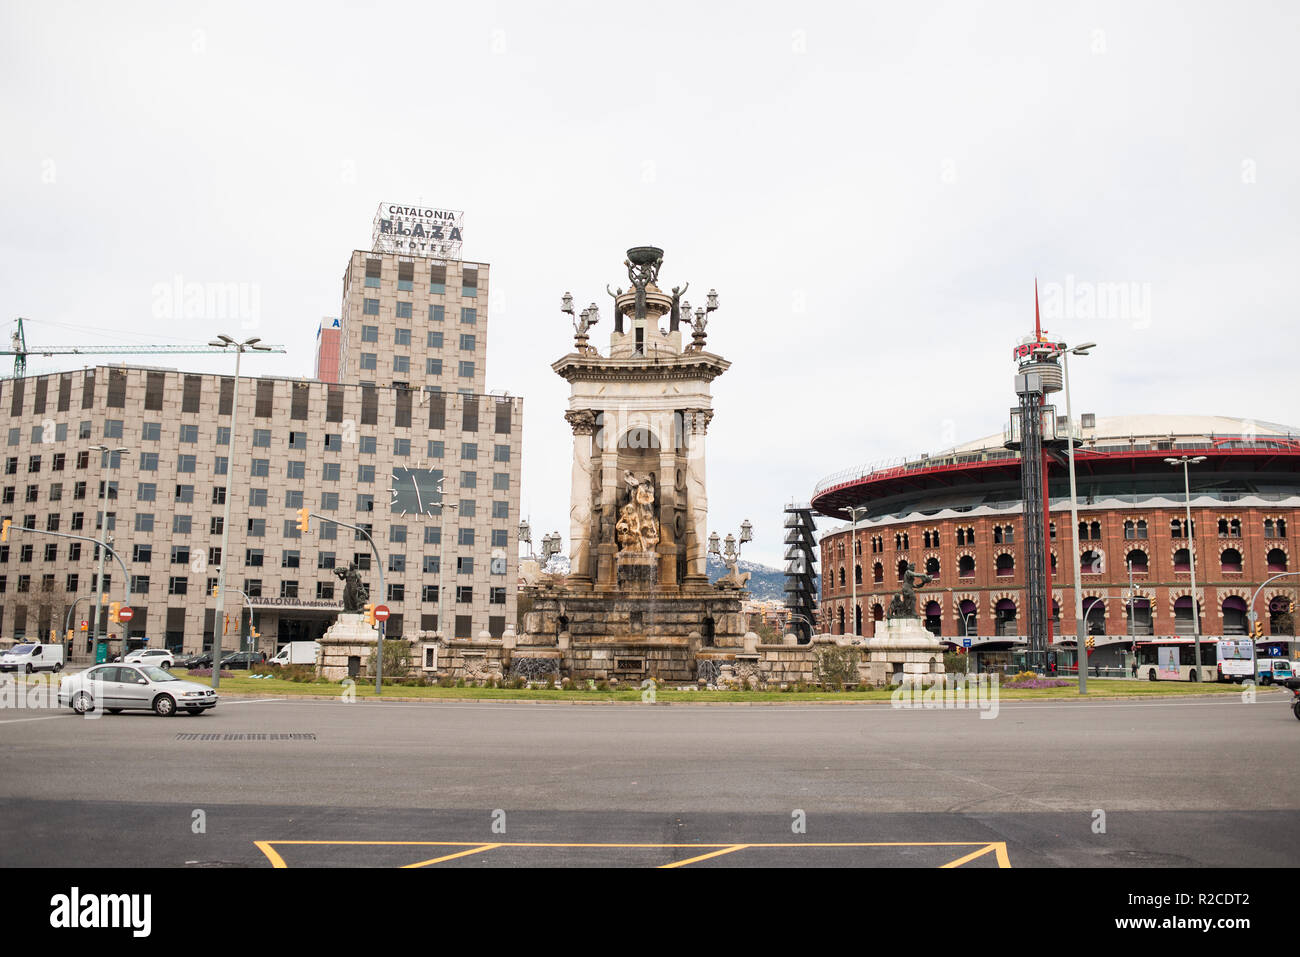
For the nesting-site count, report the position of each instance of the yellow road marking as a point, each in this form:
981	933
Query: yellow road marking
704	857
447	857
271	855
998	849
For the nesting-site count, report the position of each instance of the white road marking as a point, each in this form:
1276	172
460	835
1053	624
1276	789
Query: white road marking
48	717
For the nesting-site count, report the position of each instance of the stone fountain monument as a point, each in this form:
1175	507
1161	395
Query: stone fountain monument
903	648
347	645
638	601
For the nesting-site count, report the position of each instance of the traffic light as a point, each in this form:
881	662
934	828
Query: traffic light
214	591
370	615
304	520
1092	642
4	530
1259	629
112	612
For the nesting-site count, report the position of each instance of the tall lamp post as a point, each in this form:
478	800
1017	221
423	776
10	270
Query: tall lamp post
248	345
105	459
854	510
1185	461
1079	626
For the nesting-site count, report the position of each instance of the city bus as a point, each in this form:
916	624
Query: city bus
1236	659
1174	659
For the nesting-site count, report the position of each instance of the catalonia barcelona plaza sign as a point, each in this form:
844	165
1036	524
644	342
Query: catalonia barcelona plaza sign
418	230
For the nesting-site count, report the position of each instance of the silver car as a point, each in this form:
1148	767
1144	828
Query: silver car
118	687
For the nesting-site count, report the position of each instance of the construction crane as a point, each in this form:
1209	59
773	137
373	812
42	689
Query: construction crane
20	350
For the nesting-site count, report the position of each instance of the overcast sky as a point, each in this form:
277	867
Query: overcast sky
871	187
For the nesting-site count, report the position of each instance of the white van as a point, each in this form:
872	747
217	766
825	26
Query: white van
296	653
32	656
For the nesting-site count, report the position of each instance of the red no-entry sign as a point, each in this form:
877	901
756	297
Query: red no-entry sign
125	614
381	613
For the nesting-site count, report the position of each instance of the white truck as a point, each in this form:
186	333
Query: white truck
32	656
296	653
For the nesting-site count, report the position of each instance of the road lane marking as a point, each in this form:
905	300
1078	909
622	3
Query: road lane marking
704	857
447	857
999	850
268	848
48	717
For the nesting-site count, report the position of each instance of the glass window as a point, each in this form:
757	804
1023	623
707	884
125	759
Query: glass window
401	447
369	333
261	438
296	470
469	451
257	497
434	340
189	433
365	474
499	538
468	316
435	449
370	307
331	471
436	312
369	360
433	367
501	481
369	444
500	509
148	461
401	363
403	310
466	370
151	431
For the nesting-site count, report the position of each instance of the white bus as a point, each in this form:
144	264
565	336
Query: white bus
1174	659
1235	657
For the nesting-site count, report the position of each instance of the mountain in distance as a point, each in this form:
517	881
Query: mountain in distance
765	583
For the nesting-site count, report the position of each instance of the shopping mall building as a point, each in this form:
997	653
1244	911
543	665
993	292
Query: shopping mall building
958	517
401	404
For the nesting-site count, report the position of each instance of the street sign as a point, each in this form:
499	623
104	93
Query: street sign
965	642
125	614
84	624
381	613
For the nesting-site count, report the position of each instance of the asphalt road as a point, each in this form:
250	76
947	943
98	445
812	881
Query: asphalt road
1204	781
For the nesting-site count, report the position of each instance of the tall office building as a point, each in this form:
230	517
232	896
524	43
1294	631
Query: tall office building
408	410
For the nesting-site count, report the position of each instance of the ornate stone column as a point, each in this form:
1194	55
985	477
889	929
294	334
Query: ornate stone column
696	427
583	423
664	428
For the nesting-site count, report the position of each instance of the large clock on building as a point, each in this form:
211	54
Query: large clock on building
415	491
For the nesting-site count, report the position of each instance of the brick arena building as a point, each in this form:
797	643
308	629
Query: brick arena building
958	517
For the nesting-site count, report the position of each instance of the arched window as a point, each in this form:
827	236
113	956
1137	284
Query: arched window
1223	527
966	619
1137	561
1183	615
1006	566
1234	615
1182	560
933	618
839	630
997	534
877	612
1140	612
1004	614
841	577
902	567
878	573
857	620
1090	562
1096	531
1093	616
1053	563
1268	528
857	574
1130	529
932	567
905	543
1230	560
965	567
1280	620
1276	560
1234	528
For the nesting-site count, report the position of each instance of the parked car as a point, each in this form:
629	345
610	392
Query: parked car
243	660
117	688
158	657
32	656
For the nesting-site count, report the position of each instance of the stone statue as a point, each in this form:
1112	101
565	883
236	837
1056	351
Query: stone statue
637	530
618	315
904	603
675	318
355	592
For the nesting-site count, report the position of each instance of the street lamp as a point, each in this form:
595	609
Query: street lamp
729	549
106	454
1185	461
854	510
248	345
1079	625
526	535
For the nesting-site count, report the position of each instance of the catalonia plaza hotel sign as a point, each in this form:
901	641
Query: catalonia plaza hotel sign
418	231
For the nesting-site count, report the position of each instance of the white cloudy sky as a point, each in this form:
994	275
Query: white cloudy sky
871	187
